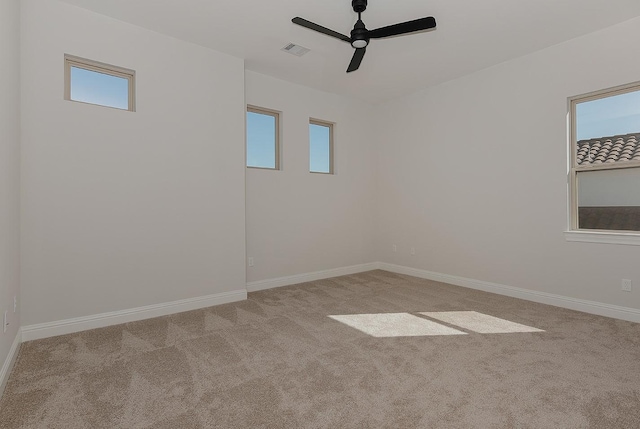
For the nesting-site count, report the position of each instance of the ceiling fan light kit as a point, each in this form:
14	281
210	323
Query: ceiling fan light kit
360	36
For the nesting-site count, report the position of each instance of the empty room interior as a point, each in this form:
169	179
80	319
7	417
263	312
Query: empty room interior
224	214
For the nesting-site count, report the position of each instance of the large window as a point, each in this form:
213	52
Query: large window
263	138
605	161
91	82
320	147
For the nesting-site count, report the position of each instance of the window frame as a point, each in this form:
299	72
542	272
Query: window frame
98	67
278	117
331	126
594	235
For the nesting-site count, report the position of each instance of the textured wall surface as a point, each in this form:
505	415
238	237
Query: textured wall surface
473	173
9	170
122	209
300	222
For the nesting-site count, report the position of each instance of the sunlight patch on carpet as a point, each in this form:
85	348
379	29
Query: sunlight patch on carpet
480	323
386	325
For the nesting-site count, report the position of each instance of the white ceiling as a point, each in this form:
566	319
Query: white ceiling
471	35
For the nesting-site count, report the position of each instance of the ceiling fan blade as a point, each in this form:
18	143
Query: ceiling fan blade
403	28
358	55
319	28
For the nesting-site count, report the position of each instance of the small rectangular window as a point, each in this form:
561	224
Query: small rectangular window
320	147
263	138
92	82
605	165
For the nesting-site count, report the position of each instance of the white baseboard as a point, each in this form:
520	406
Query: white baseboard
592	307
51	329
310	277
9	361
68	326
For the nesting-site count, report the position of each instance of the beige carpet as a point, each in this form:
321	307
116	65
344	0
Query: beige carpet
399	352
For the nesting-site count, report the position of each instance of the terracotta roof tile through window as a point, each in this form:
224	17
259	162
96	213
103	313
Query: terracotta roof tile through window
609	149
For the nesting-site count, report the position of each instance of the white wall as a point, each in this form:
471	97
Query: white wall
299	222
473	173
9	170
122	209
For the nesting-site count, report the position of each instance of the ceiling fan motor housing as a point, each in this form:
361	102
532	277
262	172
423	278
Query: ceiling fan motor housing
359	6
359	38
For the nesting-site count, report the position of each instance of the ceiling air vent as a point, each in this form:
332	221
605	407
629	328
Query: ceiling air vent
296	50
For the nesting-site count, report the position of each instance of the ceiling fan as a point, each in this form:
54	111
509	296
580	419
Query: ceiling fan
360	36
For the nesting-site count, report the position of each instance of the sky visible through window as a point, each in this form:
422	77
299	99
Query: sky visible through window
99	88
261	143
609	116
261	140
319	148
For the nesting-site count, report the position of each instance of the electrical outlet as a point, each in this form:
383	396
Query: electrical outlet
250	261
627	285
5	323
394	248
413	250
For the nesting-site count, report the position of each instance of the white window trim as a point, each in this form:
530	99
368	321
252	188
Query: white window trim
604	237
277	115
331	126
95	66
574	234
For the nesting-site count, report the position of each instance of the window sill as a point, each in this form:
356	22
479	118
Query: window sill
262	168
624	238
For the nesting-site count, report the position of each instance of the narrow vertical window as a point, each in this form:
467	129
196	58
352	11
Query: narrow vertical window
91	82
320	147
263	138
